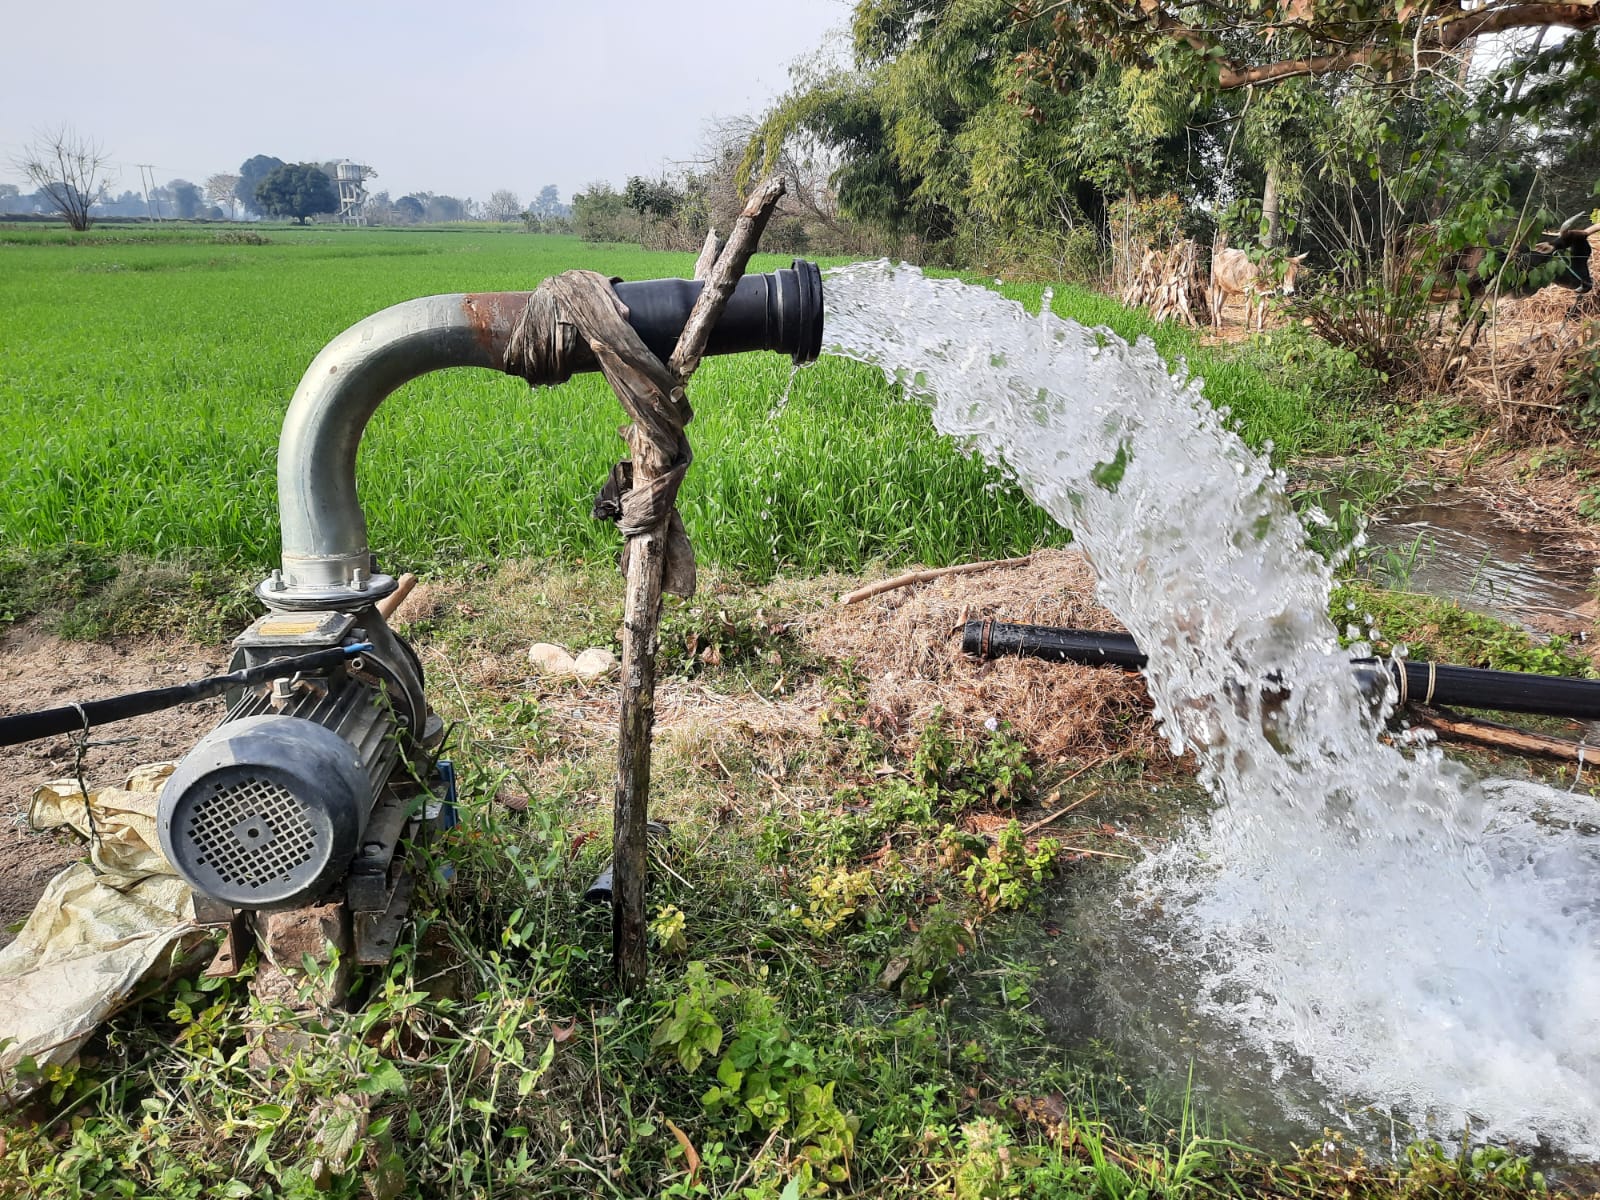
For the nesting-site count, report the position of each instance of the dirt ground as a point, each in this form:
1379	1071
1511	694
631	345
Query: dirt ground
39	670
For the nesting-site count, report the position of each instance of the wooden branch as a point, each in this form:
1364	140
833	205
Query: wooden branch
724	277
911	577
708	255
1504	737
402	588
1444	31
1060	812
642	616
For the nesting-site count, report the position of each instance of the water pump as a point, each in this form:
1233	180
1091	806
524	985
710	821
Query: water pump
305	792
269	809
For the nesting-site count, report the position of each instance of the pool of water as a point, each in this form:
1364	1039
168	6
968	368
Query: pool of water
1454	545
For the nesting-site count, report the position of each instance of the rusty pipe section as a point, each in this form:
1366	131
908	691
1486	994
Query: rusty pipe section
326	560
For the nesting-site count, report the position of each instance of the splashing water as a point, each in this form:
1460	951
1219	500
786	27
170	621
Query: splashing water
1423	941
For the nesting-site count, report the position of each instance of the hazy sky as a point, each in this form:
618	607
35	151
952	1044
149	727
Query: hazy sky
455	98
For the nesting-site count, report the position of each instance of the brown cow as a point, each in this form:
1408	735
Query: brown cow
1233	274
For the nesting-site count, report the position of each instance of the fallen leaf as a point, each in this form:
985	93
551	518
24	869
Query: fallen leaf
688	1152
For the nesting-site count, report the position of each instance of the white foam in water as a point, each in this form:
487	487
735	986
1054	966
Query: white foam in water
1425	942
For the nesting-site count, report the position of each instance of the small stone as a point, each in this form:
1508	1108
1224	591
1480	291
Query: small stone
593	663
551	659
894	972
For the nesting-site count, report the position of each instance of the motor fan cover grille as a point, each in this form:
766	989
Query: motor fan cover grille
252	833
265	812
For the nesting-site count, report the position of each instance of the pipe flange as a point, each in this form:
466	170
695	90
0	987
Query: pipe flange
809	345
277	593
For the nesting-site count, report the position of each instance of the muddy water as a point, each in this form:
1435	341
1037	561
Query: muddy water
1458	547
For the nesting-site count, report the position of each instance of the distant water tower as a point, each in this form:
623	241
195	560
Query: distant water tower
351	180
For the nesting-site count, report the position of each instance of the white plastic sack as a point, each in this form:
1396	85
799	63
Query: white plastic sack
100	929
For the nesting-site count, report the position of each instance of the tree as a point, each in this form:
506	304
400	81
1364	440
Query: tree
378	209
1242	43
411	209
598	213
298	190
186	198
69	171
503	205
548	205
222	189
656	198
251	172
935	136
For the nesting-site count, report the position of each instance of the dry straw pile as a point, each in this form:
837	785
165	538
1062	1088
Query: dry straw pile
907	643
1520	366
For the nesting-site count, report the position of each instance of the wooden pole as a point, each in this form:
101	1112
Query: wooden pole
642	606
1504	737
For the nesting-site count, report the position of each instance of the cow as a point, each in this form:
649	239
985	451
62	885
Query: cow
1479	270
1233	274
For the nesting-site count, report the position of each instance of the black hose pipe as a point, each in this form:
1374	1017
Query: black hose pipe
781	311
76	718
1428	683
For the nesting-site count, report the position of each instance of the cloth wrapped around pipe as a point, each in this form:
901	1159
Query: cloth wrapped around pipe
579	309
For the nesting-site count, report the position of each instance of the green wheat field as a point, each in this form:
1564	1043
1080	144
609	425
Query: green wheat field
144	374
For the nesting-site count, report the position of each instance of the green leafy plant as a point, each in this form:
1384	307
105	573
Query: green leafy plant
667	930
835	896
924	968
769	1080
690	1030
1009	874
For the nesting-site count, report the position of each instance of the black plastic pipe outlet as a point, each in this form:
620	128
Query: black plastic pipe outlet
781	311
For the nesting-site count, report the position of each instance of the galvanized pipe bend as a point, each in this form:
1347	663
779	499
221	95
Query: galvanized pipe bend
327	563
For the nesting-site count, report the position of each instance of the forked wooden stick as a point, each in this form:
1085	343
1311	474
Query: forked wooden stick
642	609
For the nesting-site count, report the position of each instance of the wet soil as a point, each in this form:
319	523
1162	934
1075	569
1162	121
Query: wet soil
39	670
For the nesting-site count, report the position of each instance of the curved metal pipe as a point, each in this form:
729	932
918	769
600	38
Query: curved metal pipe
326	560
327	563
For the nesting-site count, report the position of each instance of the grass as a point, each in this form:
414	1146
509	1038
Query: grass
822	1016
144	377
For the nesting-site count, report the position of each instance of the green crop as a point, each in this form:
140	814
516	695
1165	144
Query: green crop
144	378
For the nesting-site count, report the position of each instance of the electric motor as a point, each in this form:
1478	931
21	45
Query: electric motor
269	807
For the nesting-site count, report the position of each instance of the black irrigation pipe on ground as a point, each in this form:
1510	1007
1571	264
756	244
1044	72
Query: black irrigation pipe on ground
1425	682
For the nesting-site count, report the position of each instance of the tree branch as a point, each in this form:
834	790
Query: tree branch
725	276
1412	33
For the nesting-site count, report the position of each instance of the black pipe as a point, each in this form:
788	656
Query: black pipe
74	718
599	892
781	311
1428	683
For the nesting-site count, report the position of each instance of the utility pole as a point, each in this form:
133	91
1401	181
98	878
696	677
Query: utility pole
147	180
